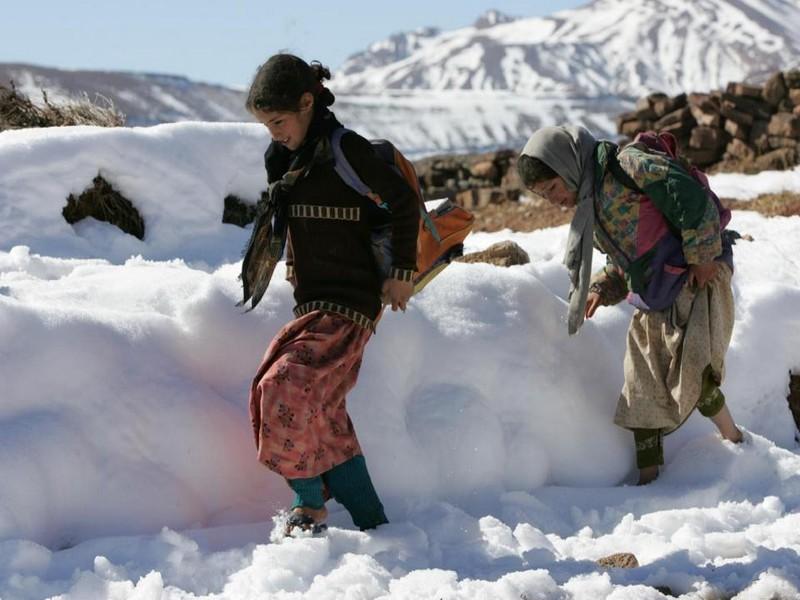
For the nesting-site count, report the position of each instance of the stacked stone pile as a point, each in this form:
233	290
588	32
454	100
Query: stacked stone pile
743	128
472	180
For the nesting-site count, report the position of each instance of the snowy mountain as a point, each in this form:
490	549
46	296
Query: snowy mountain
492	83
385	52
622	47
489	85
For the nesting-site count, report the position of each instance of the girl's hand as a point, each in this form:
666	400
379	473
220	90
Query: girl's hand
397	293
592	303
702	274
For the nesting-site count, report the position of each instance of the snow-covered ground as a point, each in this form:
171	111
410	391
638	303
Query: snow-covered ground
127	467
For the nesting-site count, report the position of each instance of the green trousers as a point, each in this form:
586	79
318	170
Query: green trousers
650	442
350	485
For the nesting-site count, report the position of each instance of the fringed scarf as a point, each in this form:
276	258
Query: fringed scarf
284	169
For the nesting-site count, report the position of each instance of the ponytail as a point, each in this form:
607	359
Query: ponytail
322	94
281	81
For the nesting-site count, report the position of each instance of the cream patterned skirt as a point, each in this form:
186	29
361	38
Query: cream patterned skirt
668	352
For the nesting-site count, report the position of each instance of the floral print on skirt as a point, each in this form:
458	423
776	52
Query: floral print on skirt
297	399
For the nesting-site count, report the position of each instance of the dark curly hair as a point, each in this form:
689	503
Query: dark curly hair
532	170
283	79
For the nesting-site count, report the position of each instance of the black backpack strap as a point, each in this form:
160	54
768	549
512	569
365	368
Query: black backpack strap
619	173
385	151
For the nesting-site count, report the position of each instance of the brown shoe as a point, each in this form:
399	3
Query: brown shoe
647	475
306	519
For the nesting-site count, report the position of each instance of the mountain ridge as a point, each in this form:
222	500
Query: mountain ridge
490	84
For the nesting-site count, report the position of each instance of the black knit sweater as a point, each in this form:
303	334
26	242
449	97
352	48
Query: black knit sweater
330	224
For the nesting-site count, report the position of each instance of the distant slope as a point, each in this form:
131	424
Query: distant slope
491	84
145	99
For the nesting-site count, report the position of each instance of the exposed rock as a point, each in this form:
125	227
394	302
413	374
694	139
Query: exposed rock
624	118
792	79
775	89
648	102
449	176
511	181
777	160
702	157
682	116
631	128
794	397
663	106
784	125
501	254
730	111
761	144
480	197
706	138
764	119
706	112
665	589
485	169
776	142
740	150
758	108
758	130
102	202
737	130
741	89
620	560
698	99
681	131
239	212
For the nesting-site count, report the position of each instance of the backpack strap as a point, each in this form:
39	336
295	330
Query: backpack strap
616	170
619	173
348	174
343	167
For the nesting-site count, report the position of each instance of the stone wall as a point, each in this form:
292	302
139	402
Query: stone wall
745	128
472	180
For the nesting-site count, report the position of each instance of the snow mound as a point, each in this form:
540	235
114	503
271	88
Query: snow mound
126	365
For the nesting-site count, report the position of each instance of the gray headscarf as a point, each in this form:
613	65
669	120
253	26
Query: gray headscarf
569	151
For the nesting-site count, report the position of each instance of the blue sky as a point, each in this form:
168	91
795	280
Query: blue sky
222	42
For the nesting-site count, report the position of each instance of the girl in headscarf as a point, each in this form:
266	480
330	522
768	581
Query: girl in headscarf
666	254
297	400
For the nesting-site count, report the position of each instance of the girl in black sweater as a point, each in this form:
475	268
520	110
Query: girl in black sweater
297	399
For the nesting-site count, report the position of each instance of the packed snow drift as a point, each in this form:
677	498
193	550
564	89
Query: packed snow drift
127	465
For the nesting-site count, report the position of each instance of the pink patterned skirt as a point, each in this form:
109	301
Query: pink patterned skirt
297	400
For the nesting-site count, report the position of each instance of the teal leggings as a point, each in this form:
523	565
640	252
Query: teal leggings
350	485
650	442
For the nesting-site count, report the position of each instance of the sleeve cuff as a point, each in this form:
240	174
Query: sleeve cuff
697	254
401	274
610	286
